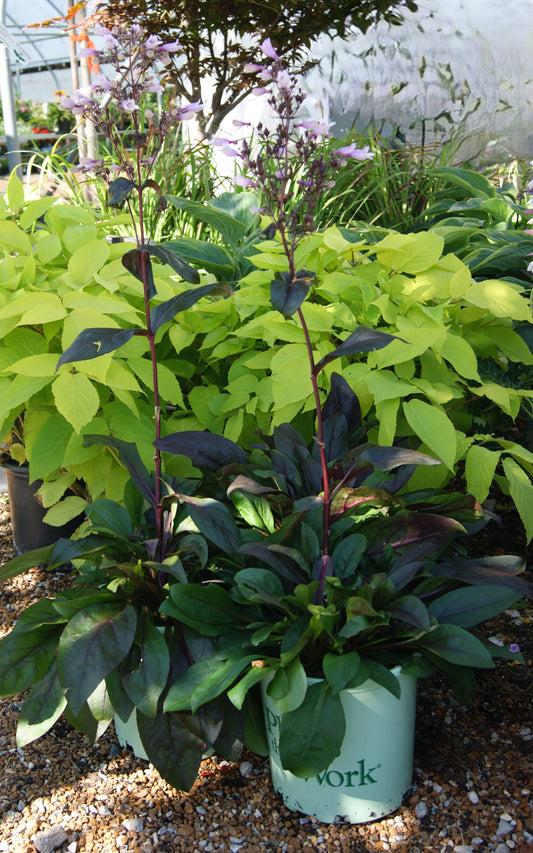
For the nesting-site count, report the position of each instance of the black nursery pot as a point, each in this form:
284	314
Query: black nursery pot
27	515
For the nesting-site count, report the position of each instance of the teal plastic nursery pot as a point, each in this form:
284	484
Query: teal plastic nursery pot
374	768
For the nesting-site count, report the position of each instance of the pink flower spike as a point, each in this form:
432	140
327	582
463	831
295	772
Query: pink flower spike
269	51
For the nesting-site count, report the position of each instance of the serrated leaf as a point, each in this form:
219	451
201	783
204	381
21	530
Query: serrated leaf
64	511
76	398
86	261
480	467
130	457
15	192
521	490
434	428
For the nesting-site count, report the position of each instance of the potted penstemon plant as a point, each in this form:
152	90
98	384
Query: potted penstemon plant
104	647
344	587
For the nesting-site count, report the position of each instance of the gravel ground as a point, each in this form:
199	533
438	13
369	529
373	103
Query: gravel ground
472	788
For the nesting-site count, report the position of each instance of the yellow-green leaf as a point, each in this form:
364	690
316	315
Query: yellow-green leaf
14	238
410	253
387	411
76	398
87	260
34	365
460	355
35	209
499	298
385	385
521	490
51	492
15	192
434	428
65	510
480	467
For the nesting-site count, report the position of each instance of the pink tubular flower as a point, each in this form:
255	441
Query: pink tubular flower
283	79
170	47
355	153
89	51
102	82
252	68
269	51
259	90
188	111
152	42
241	181
128	105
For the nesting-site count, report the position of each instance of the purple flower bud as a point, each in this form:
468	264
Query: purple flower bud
269	51
237	123
89	51
514	649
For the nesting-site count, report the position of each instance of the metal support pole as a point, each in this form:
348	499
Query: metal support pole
14	159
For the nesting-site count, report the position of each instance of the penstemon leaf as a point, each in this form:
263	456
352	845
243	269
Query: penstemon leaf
94	342
288	294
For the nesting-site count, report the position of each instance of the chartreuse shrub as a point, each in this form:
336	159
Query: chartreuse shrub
58	275
421	390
